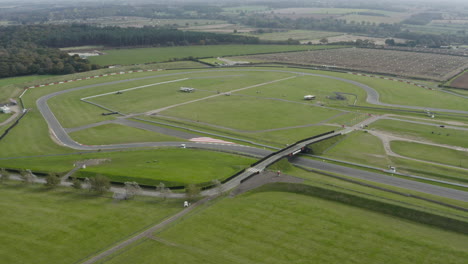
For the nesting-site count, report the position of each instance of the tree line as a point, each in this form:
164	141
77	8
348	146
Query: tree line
33	49
26	58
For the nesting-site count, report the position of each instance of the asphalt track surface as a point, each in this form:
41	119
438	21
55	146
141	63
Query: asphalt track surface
372	97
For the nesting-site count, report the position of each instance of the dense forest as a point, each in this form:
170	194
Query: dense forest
25	58
33	49
76	35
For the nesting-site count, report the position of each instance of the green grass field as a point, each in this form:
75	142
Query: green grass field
118	134
423	132
151	55
11	87
459	91
147	166
246	114
65	226
361	148
406	94
431	153
366	149
4	117
281	227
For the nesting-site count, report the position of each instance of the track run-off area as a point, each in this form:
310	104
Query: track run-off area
61	134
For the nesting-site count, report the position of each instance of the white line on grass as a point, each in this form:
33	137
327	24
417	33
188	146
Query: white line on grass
134	88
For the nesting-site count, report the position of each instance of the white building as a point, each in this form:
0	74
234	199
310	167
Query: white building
5	109
309	97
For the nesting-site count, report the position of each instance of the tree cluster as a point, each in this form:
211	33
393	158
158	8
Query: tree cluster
76	35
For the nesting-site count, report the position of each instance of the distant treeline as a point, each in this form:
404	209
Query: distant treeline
422	18
77	35
431	40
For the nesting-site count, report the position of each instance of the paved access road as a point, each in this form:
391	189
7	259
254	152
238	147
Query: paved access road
373	97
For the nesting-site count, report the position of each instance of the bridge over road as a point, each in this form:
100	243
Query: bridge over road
260	165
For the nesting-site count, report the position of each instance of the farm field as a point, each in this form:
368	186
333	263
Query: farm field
147	166
390	18
151	55
419	132
46	226
224	28
431	153
461	81
280	227
303	35
137	22
118	134
353	38
421	65
245	8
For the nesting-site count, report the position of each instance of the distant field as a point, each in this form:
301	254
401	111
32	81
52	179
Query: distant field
461	81
422	65
245	8
295	34
431	153
149	55
132	21
336	11
397	18
436	28
281	227
42	226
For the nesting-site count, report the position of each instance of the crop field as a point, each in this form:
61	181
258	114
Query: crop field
412	64
138	22
64	226
151	55
431	153
461	81
282	227
433	134
388	19
245	8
